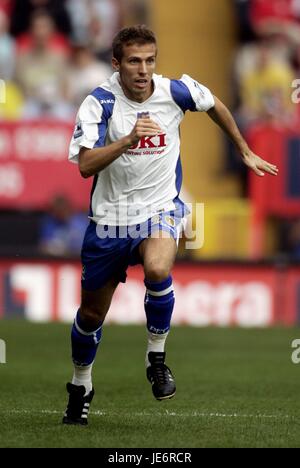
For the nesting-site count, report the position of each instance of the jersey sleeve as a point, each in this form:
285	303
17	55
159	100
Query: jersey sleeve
90	128
191	95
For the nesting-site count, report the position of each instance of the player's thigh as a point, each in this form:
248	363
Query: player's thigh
158	255
97	302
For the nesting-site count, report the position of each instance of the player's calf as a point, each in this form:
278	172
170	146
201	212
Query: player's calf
159	304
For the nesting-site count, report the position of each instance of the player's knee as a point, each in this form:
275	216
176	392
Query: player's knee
156	273
92	316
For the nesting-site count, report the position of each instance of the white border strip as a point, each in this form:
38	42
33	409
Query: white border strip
83	332
191	414
160	293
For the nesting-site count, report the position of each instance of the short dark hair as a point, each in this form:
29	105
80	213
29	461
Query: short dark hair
139	34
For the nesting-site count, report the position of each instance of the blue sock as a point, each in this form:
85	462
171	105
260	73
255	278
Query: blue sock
84	343
159	304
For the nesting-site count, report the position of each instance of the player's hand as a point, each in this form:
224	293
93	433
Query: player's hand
143	127
258	165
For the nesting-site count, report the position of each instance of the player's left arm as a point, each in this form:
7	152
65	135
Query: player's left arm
223	117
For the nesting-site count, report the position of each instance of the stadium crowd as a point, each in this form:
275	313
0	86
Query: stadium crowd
52	54
266	63
265	68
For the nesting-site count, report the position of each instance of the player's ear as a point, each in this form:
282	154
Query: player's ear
115	64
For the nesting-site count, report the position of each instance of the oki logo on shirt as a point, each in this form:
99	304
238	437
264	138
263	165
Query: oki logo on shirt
151	143
156	141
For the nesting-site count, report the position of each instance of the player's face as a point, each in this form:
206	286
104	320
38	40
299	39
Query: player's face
136	69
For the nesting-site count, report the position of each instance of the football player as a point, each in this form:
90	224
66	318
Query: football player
127	138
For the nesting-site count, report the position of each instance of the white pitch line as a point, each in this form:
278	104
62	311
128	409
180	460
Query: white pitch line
193	414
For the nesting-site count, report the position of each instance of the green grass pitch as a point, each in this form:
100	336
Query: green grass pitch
235	388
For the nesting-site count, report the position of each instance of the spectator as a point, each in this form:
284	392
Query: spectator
12	104
7	49
247	56
62	230
262	80
79	12
84	73
41	74
276	16
242	11
23	9
96	22
6	6
43	30
105	22
134	11
294	240
266	90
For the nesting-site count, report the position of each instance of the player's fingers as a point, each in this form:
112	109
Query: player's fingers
145	119
257	171
150	132
152	127
270	168
272	171
148	125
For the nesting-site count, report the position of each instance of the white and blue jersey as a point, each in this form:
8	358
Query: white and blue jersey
137	195
146	179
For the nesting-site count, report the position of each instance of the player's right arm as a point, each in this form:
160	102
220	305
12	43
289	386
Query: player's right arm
92	161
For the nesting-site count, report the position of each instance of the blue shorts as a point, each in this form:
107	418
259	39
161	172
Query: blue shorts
107	251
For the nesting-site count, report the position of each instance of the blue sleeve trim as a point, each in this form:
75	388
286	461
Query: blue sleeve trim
182	96
107	101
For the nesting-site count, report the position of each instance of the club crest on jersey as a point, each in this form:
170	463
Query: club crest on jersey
170	221
155	219
143	115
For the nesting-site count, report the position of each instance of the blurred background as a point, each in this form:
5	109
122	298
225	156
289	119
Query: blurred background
53	53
